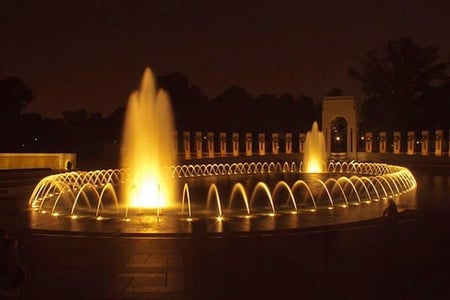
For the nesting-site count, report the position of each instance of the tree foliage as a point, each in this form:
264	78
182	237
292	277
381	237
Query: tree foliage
14	96
399	82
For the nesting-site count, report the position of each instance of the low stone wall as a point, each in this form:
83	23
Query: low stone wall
57	161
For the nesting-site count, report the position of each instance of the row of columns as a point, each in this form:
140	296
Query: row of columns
426	138
199	138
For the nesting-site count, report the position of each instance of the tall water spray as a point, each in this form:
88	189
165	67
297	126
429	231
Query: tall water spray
148	147
314	152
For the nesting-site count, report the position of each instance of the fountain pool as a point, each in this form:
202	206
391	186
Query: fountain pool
150	193
246	196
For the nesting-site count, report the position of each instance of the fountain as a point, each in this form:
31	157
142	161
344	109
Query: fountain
150	193
314	155
147	149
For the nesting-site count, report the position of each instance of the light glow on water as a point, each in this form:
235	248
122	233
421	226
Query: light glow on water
148	147
314	155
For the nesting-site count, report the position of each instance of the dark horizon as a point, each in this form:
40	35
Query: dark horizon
79	54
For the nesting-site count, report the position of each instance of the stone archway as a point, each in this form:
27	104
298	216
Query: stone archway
338	136
339	121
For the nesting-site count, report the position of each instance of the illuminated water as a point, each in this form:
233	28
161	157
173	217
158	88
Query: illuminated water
248	195
148	147
314	152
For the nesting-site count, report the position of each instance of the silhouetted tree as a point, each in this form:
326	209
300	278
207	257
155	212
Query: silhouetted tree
232	111
395	81
115	125
267	113
188	102
334	92
85	132
14	96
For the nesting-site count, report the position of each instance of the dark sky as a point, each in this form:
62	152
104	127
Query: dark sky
91	54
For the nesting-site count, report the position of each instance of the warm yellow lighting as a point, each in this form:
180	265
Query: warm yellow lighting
219	219
55	214
248	217
189	219
314	166
146	193
293	212
271	214
126	219
74	217
147	149
99	218
314	156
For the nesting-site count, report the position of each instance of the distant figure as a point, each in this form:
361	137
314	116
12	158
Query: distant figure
391	212
69	165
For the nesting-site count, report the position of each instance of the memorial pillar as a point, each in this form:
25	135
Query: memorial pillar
262	144
210	139
288	143
223	144
368	139
235	137
383	138
438	142
275	143
248	144
425	140
302	138
397	142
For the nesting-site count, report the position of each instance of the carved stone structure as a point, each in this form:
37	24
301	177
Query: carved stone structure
340	107
262	143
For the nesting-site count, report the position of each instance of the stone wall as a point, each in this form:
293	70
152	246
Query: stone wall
57	161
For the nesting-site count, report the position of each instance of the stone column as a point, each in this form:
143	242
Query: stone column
248	144
369	140
210	139
438	137
275	143
262	144
223	144
383	137
302	138
411	141
198	144
397	141
288	143
187	144
235	137
425	140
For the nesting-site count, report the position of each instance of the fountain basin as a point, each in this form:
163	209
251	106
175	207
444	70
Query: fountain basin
244	197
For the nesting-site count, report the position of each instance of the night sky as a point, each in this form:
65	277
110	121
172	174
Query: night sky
91	54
